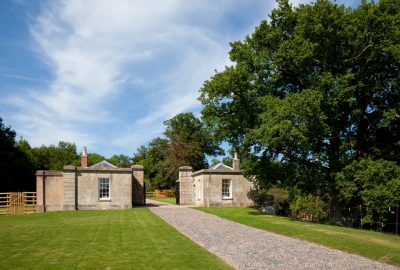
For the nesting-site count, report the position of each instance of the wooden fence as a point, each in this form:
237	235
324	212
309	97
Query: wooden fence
161	193
17	203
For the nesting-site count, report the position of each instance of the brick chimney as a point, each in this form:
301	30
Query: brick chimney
84	158
236	162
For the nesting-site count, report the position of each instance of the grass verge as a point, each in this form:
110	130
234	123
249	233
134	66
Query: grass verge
374	245
171	200
121	239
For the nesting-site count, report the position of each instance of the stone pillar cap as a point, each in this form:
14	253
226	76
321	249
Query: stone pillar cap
137	167
185	168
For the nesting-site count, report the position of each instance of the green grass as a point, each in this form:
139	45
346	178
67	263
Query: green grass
171	200
121	239
374	245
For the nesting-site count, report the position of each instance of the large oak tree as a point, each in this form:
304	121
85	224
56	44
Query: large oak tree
313	88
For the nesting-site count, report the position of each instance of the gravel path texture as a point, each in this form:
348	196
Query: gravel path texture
244	247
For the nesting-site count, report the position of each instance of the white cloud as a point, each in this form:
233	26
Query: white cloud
99	50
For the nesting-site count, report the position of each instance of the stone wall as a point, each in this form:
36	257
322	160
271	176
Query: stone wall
77	188
120	189
49	188
138	197
213	190
185	185
204	187
69	184
198	195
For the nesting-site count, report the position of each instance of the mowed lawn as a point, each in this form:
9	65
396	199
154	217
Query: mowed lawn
121	239
374	245
171	200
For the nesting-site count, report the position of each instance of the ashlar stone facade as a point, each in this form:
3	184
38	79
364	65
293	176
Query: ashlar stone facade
219	185
101	186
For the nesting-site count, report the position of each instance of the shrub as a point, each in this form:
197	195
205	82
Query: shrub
373	183
277	197
309	207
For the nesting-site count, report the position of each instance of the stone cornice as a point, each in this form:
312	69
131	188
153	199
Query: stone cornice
218	172
103	170
48	173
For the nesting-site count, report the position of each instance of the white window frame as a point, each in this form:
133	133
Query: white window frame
226	189
102	196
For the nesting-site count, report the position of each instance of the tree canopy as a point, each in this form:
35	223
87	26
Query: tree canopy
312	89
122	161
187	143
19	161
153	158
190	142
16	167
55	157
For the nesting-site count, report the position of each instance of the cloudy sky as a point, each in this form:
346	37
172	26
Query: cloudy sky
106	74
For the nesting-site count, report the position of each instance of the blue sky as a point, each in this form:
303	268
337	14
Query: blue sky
106	74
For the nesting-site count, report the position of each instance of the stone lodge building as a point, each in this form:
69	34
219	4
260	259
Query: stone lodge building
101	186
219	185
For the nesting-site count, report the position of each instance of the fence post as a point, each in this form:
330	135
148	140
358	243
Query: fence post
397	218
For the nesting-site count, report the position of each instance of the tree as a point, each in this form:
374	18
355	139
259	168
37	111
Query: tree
7	153
94	158
189	142
153	158
26	180
313	88
16	167
310	207
227	161
122	161
54	157
374	184
214	161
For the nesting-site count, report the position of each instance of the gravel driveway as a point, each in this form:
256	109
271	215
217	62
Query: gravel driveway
244	247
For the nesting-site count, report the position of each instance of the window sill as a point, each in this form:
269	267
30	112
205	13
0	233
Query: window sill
227	199
104	200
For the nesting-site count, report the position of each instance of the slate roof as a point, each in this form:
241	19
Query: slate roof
220	167
103	164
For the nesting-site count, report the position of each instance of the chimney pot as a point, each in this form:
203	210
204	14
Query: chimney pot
84	158
236	162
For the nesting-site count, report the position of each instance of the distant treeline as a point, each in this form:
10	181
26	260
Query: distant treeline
186	142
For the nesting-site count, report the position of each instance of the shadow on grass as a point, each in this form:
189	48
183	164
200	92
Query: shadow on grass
256	213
